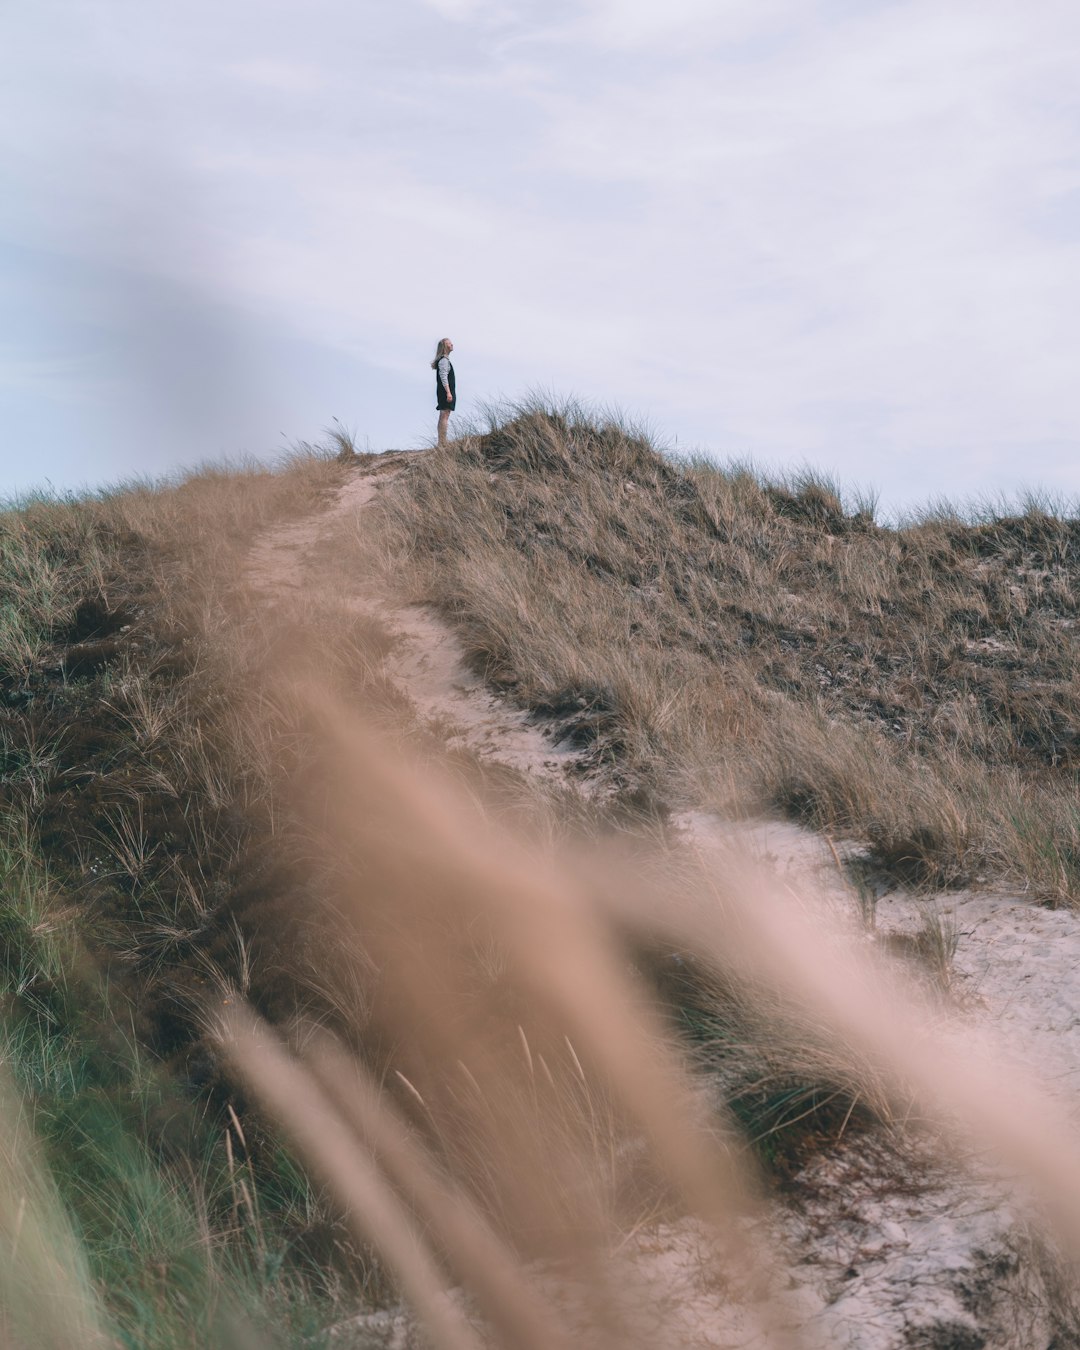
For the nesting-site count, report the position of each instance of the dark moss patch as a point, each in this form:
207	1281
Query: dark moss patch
93	620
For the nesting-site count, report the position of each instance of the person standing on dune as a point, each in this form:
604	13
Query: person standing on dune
445	389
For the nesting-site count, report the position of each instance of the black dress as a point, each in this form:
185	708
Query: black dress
443	403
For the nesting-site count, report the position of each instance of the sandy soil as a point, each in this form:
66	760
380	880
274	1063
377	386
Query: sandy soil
917	1252
877	1260
426	661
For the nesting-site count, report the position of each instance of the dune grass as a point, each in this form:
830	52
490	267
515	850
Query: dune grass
719	638
185	831
130	817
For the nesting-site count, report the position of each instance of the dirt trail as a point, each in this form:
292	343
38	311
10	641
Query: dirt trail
426	661
876	1264
276	563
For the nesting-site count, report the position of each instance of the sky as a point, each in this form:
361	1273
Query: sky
843	233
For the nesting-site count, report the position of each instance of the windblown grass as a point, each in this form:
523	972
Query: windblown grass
720	638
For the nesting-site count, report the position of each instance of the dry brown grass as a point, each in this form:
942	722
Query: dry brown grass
478	1039
750	645
139	775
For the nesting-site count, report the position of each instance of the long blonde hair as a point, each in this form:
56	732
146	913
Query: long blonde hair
440	352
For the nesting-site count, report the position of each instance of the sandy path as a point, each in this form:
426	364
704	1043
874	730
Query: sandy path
947	1263
1017	963
426	661
277	561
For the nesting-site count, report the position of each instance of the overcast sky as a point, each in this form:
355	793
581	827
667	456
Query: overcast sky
844	232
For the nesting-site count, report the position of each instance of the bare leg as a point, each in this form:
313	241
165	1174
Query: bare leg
444	418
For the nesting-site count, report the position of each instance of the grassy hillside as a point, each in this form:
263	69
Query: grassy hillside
140	888
723	640
190	823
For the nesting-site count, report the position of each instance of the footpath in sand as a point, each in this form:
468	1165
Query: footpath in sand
425	661
875	1260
